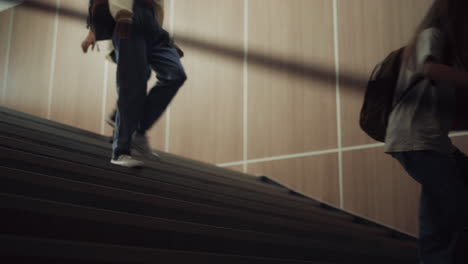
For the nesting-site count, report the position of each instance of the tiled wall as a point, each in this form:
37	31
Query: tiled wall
266	91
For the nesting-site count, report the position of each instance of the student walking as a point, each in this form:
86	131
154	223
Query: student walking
433	66
140	44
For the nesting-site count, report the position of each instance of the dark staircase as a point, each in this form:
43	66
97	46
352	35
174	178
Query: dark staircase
63	202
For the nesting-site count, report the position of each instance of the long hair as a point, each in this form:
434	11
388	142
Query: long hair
450	17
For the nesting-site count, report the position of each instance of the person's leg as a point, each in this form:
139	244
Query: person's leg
462	248
462	161
164	59
171	76
132	68
110	120
442	204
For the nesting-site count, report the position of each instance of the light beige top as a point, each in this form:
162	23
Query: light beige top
423	115
116	6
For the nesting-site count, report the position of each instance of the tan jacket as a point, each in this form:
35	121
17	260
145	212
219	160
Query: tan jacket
123	9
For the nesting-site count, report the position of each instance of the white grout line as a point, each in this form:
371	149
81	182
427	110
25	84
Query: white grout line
168	130
105	83
171	17
293	156
282	157
230	164
305	154
245	85
338	102
315	153
8	51
459	134
53	57
367	146
167	135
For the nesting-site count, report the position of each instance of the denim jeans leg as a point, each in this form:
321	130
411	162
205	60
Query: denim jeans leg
442	203
171	76
132	72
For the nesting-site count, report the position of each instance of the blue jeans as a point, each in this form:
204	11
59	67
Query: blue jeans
147	48
443	204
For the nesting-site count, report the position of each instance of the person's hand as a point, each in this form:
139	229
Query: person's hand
90	40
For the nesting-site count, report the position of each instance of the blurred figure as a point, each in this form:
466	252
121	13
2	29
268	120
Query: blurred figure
140	44
417	136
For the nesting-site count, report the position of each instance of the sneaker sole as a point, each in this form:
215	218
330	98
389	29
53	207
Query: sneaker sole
145	152
141	150
136	164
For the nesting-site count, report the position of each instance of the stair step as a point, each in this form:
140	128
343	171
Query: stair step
73	192
17	249
35	217
152	185
72	144
89	137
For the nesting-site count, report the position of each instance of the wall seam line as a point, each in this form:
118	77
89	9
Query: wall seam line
245	87
8	51
318	152
280	157
338	101
52	62
167	136
105	83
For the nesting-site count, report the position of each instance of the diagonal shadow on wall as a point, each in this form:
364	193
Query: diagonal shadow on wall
310	71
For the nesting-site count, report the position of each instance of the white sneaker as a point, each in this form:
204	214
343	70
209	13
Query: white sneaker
127	161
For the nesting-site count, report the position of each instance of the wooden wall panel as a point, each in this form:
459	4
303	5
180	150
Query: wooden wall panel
315	176
368	31
289	111
78	86
4	39
376	186
30	60
206	116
